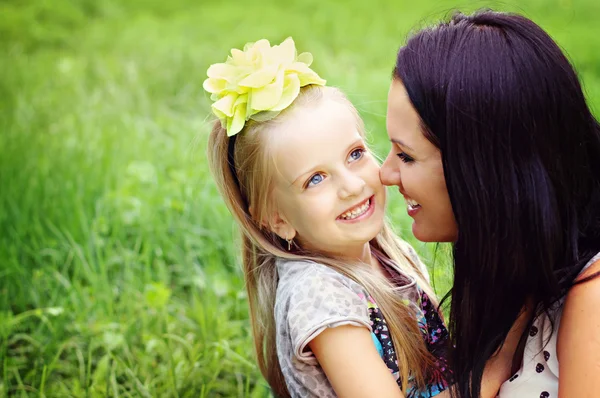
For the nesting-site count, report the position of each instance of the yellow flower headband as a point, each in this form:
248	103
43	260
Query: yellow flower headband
258	83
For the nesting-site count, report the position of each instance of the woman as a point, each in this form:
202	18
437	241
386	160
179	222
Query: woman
495	150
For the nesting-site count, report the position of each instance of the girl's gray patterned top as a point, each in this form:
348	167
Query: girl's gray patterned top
312	297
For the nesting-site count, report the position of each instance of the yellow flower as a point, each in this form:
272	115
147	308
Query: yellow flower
258	82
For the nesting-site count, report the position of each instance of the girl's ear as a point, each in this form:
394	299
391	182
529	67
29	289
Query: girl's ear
278	224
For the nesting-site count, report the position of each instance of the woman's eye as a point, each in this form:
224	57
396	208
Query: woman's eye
405	158
357	154
315	179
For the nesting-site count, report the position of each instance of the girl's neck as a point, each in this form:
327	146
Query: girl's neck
366	256
363	253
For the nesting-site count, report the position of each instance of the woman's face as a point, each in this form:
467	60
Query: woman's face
414	165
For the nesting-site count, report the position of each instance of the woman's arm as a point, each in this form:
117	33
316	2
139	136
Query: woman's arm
352	364
578	345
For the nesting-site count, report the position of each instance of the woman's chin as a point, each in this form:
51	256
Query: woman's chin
432	234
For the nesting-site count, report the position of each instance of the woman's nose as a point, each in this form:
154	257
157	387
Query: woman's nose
389	174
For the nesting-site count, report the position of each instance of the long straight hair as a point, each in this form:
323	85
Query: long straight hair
247	195
521	156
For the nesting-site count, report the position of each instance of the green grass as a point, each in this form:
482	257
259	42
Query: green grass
119	275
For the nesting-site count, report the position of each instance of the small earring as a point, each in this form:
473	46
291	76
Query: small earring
289	242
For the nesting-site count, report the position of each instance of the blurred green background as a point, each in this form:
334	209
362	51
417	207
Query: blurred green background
118	269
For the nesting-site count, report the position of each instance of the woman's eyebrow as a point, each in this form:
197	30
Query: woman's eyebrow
401	143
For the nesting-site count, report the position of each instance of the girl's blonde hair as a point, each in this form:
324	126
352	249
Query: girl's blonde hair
247	195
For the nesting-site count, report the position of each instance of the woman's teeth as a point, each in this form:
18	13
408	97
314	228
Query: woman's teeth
412	204
357	212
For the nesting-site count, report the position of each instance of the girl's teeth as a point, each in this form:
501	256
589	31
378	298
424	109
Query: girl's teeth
357	212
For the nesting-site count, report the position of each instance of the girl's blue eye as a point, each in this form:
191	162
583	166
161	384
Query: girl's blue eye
405	158
357	154
315	179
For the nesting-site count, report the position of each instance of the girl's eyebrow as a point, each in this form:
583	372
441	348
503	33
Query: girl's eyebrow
305	173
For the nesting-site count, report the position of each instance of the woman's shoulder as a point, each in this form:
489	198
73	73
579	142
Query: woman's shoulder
579	353
592	267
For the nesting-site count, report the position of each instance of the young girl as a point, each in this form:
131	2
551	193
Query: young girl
339	305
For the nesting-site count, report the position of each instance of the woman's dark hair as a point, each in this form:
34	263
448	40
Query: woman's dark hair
521	156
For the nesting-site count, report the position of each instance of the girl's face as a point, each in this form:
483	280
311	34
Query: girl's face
414	165
327	190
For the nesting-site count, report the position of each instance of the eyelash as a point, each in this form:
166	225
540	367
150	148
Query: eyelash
405	158
362	154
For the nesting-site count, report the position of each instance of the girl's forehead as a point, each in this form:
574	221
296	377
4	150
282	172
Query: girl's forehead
328	123
312	136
